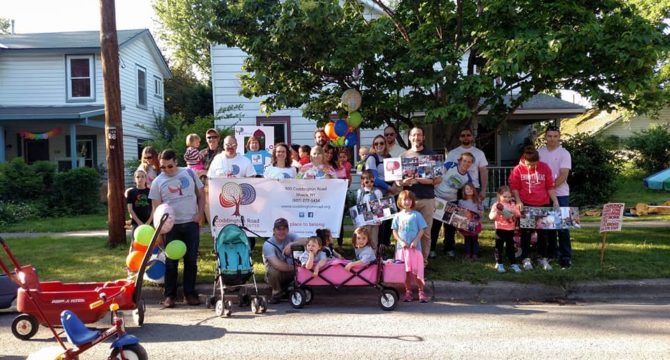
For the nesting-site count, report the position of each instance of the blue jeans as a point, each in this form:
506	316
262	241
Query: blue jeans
189	233
564	244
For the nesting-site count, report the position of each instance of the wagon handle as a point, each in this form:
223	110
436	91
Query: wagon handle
104	297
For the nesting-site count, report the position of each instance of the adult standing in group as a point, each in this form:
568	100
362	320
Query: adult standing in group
149	163
183	191
423	188
453	180
375	163
391	135
278	259
320	137
256	155
207	155
560	162
281	164
229	163
532	184
478	171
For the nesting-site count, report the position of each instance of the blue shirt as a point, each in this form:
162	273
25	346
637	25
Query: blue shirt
408	225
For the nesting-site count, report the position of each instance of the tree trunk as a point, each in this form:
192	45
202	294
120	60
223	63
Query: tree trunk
113	130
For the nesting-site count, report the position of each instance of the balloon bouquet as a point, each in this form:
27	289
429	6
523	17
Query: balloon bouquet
342	132
175	250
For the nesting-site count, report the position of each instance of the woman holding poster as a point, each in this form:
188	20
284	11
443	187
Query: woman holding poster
375	163
281	164
256	155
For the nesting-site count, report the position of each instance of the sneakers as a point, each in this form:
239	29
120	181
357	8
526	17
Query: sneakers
515	268
527	265
544	263
565	264
500	268
168	302
432	255
422	297
451	253
408	296
192	300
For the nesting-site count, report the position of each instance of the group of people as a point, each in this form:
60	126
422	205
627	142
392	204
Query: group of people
538	180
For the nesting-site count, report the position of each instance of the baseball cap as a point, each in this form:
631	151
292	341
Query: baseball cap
281	222
212	130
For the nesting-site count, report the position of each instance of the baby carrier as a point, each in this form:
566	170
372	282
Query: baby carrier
233	270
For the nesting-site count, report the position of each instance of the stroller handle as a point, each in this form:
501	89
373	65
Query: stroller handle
243	227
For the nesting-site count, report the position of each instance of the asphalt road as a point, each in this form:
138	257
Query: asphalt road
331	329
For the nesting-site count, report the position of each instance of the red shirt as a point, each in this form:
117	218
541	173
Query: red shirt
533	184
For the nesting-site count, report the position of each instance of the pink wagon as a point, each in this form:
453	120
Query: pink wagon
380	274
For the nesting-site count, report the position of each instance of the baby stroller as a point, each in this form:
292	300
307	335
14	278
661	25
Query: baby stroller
234	267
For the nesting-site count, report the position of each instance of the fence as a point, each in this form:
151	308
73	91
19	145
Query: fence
498	176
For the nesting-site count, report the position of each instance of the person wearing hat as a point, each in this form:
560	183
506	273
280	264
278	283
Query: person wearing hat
207	155
278	259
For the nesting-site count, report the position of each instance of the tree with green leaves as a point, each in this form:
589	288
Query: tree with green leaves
445	61
187	96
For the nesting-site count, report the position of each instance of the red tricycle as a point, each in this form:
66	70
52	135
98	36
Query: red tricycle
41	302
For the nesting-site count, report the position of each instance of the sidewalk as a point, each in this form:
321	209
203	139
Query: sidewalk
103	232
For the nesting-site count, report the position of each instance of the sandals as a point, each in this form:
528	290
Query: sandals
408	296
422	297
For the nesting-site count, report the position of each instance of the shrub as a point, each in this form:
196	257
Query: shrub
46	171
651	149
76	191
18	181
595	168
11	212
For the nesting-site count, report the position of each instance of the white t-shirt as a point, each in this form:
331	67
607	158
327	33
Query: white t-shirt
557	159
237	167
278	173
452	181
396	150
480	161
179	192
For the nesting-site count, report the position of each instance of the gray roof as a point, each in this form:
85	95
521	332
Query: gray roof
543	101
50	112
62	40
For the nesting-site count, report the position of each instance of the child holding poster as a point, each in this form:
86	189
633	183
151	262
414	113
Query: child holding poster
368	192
469	199
505	214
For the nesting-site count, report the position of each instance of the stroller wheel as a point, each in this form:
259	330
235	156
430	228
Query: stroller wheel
298	298
309	295
255	306
24	326
227	308
138	314
263	304
218	308
388	299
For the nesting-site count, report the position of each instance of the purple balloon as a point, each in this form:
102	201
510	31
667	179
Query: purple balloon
341	127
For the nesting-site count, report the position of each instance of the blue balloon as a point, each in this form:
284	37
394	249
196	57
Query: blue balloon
351	140
156	271
341	127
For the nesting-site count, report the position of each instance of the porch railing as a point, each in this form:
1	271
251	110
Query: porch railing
498	176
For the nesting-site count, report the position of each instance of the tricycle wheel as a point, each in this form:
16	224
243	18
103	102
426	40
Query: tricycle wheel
298	298
130	352
388	299
309	295
138	314
24	326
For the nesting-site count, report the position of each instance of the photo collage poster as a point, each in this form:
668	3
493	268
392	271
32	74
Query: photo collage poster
456	216
422	167
373	212
548	218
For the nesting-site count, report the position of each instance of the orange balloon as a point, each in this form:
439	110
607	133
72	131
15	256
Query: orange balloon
330	130
134	260
139	247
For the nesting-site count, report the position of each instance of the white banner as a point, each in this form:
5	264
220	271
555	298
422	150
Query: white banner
306	204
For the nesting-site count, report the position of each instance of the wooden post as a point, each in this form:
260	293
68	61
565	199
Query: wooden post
113	130
603	240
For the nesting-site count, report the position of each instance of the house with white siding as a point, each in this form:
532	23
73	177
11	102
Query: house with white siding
52	101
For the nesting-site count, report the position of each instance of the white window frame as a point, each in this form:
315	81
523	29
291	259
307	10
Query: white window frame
91	79
158	87
138	89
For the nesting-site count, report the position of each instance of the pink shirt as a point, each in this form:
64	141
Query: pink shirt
557	159
501	222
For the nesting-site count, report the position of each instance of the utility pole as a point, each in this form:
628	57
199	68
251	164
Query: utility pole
109	50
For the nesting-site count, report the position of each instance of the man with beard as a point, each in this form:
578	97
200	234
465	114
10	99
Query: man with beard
320	137
477	171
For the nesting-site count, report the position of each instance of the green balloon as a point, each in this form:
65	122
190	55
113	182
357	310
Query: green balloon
175	250
355	119
143	234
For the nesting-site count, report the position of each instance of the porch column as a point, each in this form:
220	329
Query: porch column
73	145
2	144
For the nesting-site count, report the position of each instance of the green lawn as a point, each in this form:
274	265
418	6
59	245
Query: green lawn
631	254
60	224
631	190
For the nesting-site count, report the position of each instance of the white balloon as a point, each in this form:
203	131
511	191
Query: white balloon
158	214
